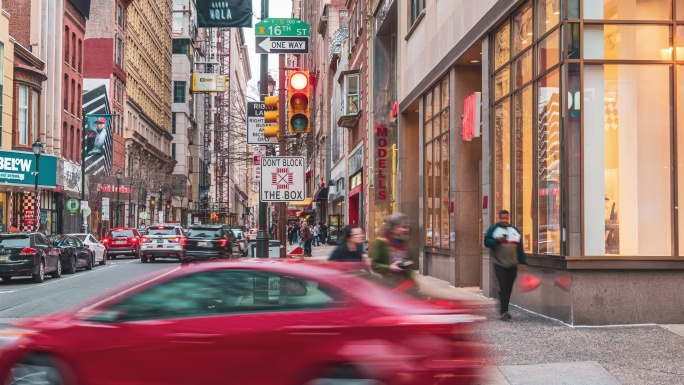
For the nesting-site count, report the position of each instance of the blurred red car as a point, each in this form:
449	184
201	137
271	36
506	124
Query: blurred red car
247	322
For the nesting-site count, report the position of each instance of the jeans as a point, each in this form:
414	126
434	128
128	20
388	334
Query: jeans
506	277
315	241
307	247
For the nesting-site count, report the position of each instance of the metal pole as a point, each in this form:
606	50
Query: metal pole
262	235
282	147
83	155
129	208
118	188
35	202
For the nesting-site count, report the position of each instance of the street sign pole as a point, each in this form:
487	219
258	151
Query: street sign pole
262	235
282	144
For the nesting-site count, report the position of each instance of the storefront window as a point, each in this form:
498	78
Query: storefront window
549	51
524	167
523	69
502	162
522	30
437	187
627	9
627	42
627	205
548	15
680	152
549	156
502	83
502	46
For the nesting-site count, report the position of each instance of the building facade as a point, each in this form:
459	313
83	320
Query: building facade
148	59
6	78
564	113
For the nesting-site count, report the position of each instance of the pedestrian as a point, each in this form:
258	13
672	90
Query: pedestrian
391	257
324	232
289	233
295	233
306	236
508	256
316	231
351	250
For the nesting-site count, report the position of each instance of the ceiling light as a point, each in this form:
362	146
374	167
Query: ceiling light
474	61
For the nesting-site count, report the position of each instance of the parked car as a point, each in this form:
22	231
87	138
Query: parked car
28	254
161	241
91	242
122	242
241	241
204	242
215	322
72	252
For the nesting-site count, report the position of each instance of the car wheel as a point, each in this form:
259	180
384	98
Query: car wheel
104	258
38	369
58	272
72	268
113	257
6	278
40	276
341	375
143	259
151	259
89	264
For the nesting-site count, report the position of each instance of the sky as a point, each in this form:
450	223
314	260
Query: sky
277	8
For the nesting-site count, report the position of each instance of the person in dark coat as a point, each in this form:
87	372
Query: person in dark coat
351	249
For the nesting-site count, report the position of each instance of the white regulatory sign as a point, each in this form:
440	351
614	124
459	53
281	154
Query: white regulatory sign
283	179
258	152
256	124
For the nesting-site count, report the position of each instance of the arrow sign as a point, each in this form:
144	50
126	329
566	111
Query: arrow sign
282	44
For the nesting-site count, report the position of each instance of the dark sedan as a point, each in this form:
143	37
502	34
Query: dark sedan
28	254
206	242
73	253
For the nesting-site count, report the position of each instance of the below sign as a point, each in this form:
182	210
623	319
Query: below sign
256	124
282	179
282	44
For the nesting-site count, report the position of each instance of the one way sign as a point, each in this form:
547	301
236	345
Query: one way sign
282	44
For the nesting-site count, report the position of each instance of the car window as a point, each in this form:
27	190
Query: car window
15	241
70	242
203	232
222	292
161	231
82	237
77	242
121	233
42	239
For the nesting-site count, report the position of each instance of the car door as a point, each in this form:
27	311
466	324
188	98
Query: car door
82	254
96	246
41	244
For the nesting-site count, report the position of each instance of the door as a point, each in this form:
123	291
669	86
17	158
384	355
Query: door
82	254
97	247
42	245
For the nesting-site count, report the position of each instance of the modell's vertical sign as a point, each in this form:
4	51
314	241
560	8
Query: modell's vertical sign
381	158
226	13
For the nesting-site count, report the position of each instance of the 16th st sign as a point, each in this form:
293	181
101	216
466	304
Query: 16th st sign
282	45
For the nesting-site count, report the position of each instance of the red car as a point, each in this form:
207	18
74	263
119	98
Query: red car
247	322
122	242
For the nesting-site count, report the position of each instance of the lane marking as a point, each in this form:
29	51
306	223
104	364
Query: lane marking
7	291
85	309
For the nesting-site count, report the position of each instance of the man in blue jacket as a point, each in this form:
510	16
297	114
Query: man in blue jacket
507	254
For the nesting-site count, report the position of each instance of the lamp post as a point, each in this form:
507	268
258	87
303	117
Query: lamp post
153	203
37	149
161	201
118	184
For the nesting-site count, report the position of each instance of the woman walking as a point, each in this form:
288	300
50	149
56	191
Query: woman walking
391	256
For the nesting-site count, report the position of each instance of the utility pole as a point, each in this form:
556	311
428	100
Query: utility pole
282	144
262	235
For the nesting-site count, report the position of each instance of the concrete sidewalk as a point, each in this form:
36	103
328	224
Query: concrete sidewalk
534	350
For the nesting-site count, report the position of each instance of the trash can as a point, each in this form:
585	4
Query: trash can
273	249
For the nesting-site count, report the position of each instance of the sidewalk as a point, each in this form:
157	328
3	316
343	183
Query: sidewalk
534	350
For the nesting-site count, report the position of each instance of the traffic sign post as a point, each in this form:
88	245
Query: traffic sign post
256	124
283	179
282	45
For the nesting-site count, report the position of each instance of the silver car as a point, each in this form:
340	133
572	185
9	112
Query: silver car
162	241
241	241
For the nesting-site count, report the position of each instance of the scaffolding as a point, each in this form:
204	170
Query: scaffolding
222	127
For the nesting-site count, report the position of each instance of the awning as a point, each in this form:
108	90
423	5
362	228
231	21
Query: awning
306	202
322	194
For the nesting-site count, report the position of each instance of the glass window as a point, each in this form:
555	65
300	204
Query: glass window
573	9
522	30
572	40
23	118
680	42
121	233
417	7
34	115
219	292
548	15
680	153
352	94
436	102
502	83
523	69
446	197
119	15
437	193
204	232
173	150
502	46
549	51
627	205
628	9
428	107
502	160
429	195
15	241
173	122
524	166
627	42
549	156
179	92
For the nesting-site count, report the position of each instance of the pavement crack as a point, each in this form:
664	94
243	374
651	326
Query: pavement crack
639	367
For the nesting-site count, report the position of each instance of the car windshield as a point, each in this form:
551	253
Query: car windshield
203	232
15	241
121	233
162	231
55	239
81	237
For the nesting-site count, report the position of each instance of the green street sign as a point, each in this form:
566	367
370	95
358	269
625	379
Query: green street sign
282	27
73	205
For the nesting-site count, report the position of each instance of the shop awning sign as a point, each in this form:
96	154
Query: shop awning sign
18	167
282	179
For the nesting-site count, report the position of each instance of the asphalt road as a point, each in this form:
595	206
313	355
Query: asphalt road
21	298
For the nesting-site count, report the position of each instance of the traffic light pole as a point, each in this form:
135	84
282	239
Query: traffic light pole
282	144
262	235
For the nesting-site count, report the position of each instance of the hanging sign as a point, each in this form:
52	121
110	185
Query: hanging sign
73	205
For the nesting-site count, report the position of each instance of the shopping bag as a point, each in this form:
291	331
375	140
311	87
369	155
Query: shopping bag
528	282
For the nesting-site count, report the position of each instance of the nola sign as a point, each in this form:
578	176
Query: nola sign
282	179
224	13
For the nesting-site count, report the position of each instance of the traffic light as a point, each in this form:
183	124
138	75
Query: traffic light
271	115
299	102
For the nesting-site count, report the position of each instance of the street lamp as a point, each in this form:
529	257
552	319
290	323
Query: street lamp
118	184
153	204
37	149
161	200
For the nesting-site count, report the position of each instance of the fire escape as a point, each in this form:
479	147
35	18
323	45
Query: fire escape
222	127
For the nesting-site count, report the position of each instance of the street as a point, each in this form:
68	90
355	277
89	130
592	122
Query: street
20	298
